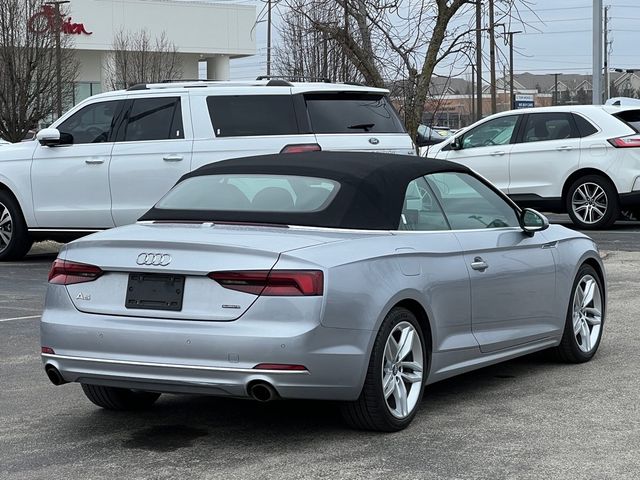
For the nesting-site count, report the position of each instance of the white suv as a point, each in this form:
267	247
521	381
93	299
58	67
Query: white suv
581	160
111	157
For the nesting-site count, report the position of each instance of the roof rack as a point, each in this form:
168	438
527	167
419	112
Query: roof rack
294	78
196	84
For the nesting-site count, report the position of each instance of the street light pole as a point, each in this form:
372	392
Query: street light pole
597	52
58	31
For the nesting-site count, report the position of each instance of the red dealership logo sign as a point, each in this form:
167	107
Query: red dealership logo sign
47	20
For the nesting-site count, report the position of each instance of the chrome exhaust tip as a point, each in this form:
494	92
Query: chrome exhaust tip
262	392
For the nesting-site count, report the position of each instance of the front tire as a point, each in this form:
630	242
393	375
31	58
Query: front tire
112	398
592	202
394	383
14	237
585	318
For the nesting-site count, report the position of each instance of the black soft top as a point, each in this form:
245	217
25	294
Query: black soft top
371	194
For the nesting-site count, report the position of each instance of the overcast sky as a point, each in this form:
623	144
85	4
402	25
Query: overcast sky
559	39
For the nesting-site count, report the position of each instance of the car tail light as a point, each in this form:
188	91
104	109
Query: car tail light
67	273
279	366
47	350
302	147
626	142
274	283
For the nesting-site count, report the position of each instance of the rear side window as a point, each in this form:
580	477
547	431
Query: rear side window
251	193
352	113
541	127
631	118
421	211
585	128
154	119
252	115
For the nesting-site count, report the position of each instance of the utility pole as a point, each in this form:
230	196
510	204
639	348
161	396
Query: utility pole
597	52
346	37
479	59
492	58
58	32
607	86
511	34
473	109
555	89
269	38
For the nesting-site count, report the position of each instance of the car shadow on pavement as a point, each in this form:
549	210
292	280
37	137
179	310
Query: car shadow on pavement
179	421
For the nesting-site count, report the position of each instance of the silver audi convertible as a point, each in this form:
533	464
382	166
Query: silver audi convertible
355	277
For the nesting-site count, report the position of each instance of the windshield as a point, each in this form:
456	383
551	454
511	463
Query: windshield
250	193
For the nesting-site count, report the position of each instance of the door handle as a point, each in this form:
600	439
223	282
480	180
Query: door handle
479	264
172	158
497	153
94	161
564	148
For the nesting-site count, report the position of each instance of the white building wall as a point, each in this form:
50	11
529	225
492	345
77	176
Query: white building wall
195	27
202	30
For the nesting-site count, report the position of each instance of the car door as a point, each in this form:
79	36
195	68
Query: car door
153	151
513	274
486	149
70	182
429	256
547	149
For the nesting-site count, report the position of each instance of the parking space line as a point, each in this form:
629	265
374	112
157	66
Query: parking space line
19	318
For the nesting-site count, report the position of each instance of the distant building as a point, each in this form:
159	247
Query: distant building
452	103
202	30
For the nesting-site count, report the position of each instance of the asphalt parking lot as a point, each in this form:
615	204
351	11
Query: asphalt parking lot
528	418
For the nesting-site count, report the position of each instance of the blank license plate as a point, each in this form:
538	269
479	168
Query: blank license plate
155	291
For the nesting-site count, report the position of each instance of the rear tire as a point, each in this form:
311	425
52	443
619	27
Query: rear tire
400	376
112	398
14	236
592	202
585	318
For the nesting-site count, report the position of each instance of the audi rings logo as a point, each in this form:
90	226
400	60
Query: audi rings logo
156	259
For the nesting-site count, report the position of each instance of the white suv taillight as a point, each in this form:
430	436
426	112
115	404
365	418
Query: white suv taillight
301	147
632	141
67	273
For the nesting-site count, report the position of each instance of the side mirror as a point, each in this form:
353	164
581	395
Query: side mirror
48	137
422	141
456	144
532	221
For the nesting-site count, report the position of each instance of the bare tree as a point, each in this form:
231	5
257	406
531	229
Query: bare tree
395	44
137	58
305	50
28	81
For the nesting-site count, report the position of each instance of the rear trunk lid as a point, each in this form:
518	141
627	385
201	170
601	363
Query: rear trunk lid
356	120
167	258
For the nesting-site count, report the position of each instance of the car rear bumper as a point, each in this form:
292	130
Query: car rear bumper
216	358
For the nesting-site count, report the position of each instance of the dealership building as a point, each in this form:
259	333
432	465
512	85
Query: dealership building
204	33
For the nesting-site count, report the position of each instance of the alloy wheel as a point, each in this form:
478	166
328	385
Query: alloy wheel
589	203
587	313
402	370
6	227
